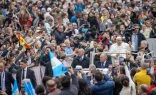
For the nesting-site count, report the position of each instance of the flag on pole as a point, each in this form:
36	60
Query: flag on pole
32	90
15	89
22	42
57	66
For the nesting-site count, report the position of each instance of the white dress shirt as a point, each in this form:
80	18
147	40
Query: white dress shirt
3	81
29	61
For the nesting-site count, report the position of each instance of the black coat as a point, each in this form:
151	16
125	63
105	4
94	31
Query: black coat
91	50
8	81
153	33
73	89
84	63
48	70
98	64
93	22
30	75
60	37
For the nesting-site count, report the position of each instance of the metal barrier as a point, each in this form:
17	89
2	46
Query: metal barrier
152	45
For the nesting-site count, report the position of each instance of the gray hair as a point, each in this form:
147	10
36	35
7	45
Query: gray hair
92	66
66	41
105	55
144	65
143	87
144	42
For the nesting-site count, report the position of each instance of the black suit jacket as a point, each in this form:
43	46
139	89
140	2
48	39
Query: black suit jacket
30	75
98	64
48	70
84	63
8	81
90	50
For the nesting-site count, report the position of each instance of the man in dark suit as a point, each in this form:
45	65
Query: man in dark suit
103	63
6	80
94	49
81	60
25	73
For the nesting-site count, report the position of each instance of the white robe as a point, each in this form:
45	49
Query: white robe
123	48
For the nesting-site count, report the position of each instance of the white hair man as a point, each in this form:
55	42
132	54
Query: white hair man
119	47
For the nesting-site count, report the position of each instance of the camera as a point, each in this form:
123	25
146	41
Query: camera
121	59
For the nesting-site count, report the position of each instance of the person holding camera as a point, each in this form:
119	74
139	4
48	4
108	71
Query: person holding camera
104	85
128	84
130	60
69	88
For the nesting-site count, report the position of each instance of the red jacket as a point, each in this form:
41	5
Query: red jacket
150	88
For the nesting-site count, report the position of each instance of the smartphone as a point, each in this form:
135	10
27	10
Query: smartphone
121	59
148	70
110	67
86	26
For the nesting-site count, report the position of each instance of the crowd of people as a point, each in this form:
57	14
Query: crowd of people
115	31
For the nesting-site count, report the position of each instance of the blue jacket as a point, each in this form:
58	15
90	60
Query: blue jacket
79	8
104	87
73	19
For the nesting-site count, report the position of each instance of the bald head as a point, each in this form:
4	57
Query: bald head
51	84
81	52
144	43
143	88
144	65
103	57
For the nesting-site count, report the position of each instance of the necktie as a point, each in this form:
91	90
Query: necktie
95	50
101	65
80	58
23	74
